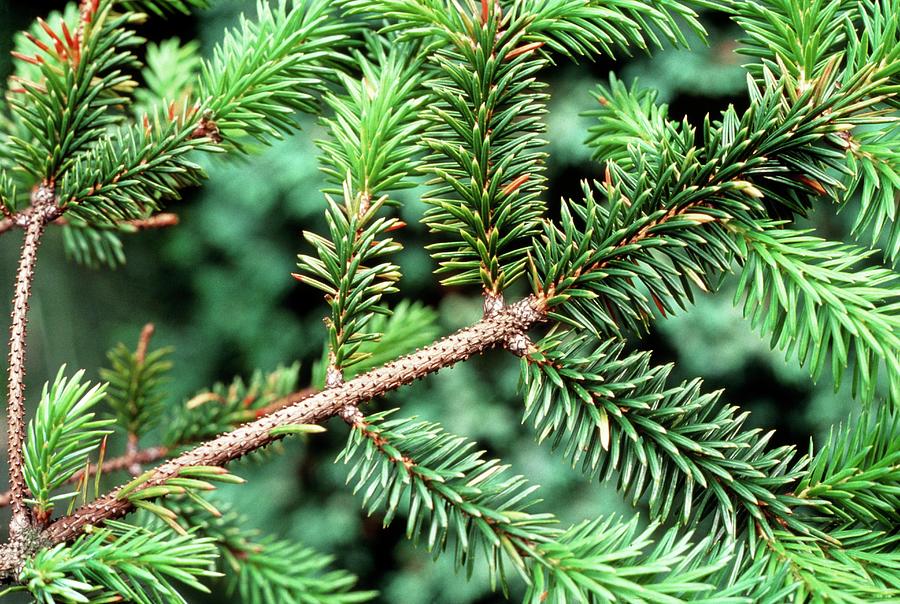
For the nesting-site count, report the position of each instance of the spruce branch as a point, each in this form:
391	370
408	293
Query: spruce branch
673	202
816	296
448	490
135	380
80	75
487	159
260	569
677	207
591	264
800	133
120	561
691	456
370	154
862	569
157	221
377	121
61	436
801	41
856	472
354	270
267	69
589	28
515	318
124	175
492	203
613	413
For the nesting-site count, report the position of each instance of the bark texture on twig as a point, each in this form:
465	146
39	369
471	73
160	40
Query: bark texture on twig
488	332
43	210
287	401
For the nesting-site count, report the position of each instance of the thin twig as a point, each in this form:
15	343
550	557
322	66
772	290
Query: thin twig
43	210
140	357
144	456
140	352
131	449
158	221
488	332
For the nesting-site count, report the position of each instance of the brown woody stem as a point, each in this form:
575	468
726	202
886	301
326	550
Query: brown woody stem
131	450
43	210
514	319
144	456
140	352
157	221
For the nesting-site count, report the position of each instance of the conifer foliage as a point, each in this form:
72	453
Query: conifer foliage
99	132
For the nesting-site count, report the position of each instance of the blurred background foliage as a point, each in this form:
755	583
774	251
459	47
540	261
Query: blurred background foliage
219	290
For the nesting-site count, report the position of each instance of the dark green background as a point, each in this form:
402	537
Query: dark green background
219	290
